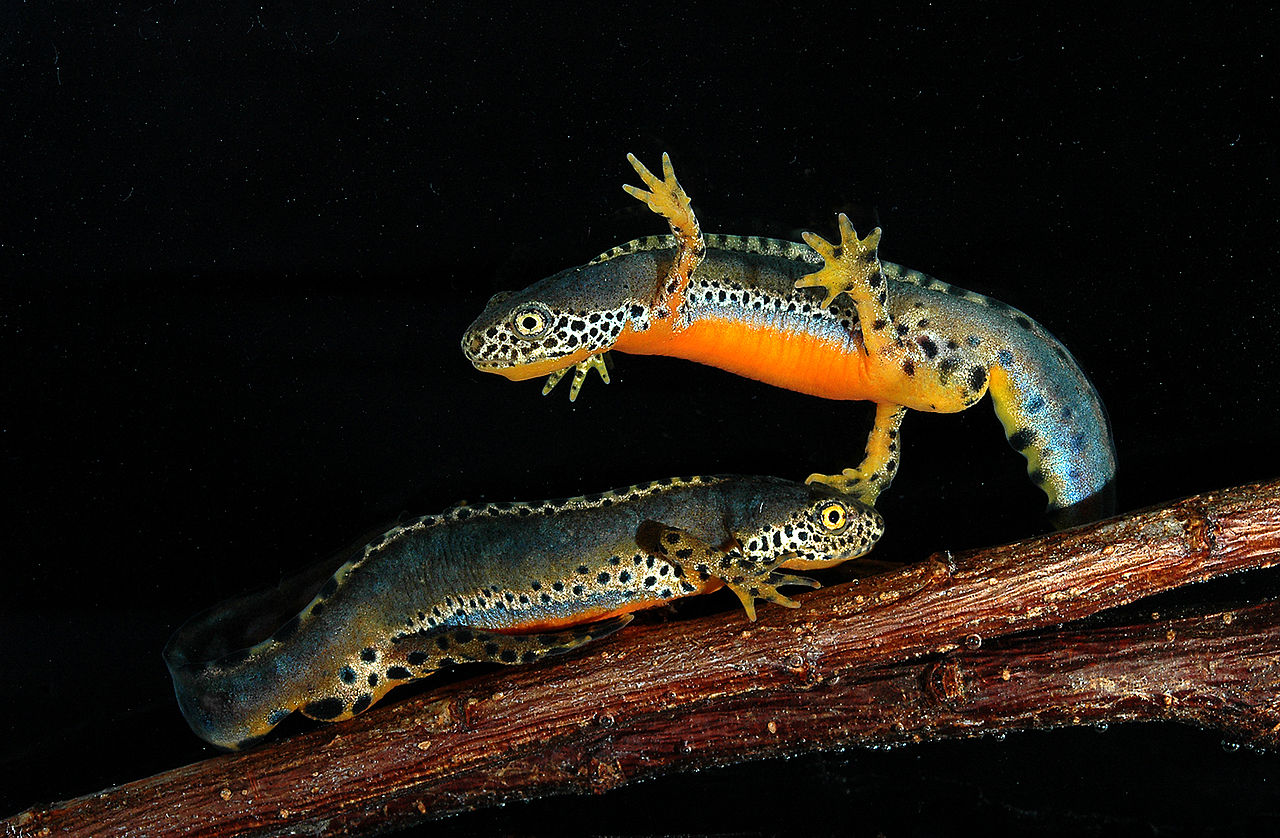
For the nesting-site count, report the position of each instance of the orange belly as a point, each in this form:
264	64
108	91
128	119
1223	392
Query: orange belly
793	360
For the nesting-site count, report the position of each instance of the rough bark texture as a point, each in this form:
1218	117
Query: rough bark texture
906	656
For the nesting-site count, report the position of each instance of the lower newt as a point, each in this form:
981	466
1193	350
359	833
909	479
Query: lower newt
500	582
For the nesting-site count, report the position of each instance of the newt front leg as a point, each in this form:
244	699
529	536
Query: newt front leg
749	576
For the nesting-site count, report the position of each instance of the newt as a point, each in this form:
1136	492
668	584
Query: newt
833	321
502	583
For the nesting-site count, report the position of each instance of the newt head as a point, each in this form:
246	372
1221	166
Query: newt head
813	526
564	321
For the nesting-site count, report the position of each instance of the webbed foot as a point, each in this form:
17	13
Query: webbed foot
666	196
880	464
750	586
853	268
596	362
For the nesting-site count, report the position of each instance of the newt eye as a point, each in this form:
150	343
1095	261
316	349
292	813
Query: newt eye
834	516
531	321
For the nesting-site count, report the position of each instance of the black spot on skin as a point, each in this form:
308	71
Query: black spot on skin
536	585
1035	405
463	636
317	609
330	588
879	324
577	590
624	576
325	708
973	341
602	578
583	569
557	586
373	679
673	538
443	641
491	649
368	654
1037	477
361	704
529	657
615	560
545	597
686	553
1005	357
399	673
1022	438
977	378
508	656
347	674
909	368
462	514
650	581
926	343
446	662
1022	321
902	329
947	365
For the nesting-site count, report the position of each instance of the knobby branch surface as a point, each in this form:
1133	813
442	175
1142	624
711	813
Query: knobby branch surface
910	655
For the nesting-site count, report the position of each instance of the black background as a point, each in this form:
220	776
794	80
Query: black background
239	246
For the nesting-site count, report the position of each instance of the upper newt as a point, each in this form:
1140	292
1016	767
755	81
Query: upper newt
831	321
500	582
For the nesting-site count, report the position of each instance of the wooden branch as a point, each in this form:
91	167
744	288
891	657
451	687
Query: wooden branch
906	656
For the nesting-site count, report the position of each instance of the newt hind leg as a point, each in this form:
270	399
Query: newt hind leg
879	465
853	268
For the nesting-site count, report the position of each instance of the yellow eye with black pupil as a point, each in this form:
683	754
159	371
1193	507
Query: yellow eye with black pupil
530	322
833	516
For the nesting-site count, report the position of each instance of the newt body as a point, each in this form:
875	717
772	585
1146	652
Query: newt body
753	306
502	582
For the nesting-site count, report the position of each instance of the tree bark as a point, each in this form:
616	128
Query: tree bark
905	656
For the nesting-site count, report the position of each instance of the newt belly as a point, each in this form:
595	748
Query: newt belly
503	583
828	320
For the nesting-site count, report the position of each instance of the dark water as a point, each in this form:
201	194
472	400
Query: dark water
239	248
